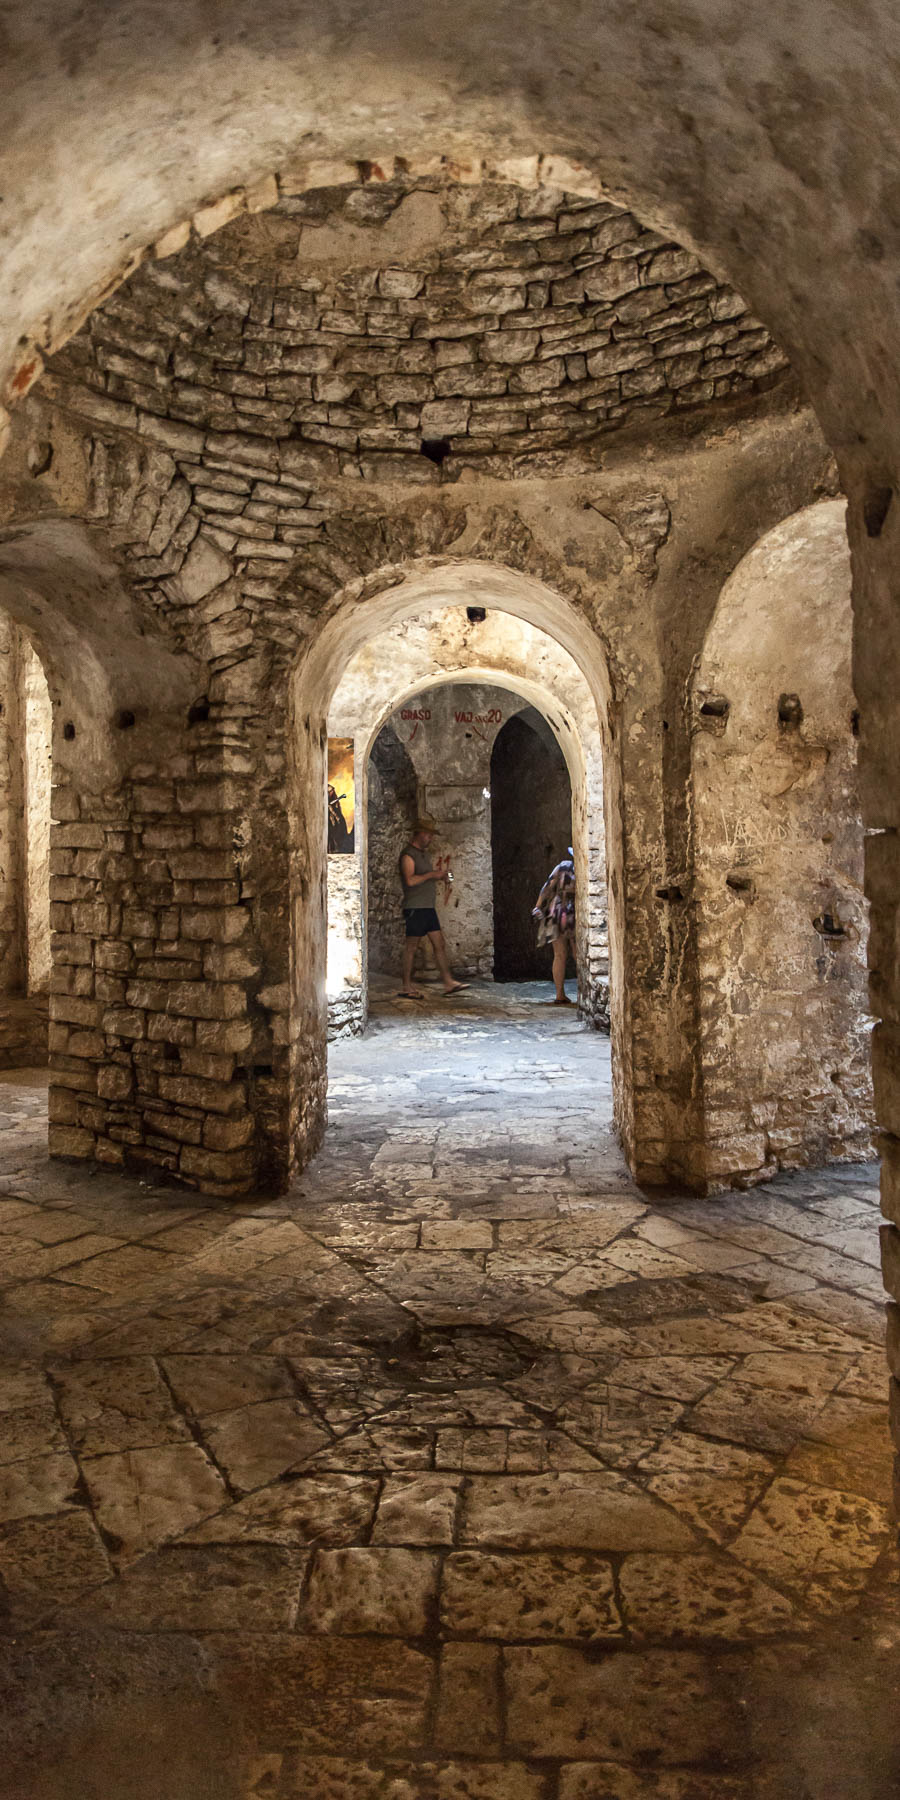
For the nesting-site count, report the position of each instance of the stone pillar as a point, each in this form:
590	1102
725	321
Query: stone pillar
12	832
37	722
165	1003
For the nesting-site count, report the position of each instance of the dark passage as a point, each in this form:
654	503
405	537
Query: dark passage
531	825
392	805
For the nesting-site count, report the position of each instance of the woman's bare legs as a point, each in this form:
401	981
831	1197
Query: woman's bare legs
561	948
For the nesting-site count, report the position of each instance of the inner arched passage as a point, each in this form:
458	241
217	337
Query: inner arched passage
780	916
502	823
529	640
394	678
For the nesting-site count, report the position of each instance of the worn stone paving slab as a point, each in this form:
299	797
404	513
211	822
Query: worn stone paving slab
465	1471
379	1590
47	1562
120	1404
301	1509
665	1706
594	1511
142	1497
700	1596
517	1598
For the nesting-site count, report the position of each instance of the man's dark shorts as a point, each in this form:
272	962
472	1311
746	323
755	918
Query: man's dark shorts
420	920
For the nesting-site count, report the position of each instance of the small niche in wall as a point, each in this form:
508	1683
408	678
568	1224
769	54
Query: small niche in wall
742	884
437	450
341	798
828	925
712	714
790	712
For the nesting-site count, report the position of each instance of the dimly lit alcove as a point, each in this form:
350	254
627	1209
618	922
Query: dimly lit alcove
531	824
391	809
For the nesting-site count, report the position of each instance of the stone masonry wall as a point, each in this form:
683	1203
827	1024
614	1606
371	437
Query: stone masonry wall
347	1008
161	1055
37	718
392	801
12	838
780	916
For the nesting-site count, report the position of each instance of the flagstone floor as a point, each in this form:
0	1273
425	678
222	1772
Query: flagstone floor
467	1471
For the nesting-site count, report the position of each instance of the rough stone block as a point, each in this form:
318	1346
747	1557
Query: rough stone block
152	996
890	1259
69	1140
163	1029
893	1338
380	1590
230	962
124	1022
62	1106
113	955
93	919
207	1096
222	924
224	1036
72	978
138	922
206	1000
228	1133
115	1082
175	1126
67	1010
228	1166
207	1065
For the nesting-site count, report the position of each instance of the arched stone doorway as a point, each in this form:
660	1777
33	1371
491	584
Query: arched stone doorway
531	829
438	753
400	668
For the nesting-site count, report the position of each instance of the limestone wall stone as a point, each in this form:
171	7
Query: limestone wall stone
12	842
392	792
347	1003
25	732
36	719
780	915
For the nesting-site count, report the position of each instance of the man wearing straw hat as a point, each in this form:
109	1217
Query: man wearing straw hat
419	883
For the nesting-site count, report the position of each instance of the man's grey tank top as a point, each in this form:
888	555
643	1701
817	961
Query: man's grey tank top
425	893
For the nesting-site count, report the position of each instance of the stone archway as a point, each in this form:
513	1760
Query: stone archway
426	650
